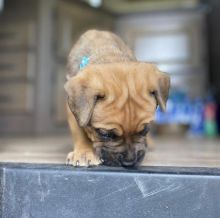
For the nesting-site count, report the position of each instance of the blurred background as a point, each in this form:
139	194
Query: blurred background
181	36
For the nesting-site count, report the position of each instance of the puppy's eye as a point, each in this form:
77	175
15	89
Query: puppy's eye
106	135
153	93
145	130
100	97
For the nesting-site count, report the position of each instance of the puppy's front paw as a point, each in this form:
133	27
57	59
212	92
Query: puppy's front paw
82	158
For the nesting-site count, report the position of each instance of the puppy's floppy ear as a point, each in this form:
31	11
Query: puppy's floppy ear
81	98
159	86
162	89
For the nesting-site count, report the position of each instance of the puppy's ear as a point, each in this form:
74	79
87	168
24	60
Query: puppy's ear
81	98
162	90
159	84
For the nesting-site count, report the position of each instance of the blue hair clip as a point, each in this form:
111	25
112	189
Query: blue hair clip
84	62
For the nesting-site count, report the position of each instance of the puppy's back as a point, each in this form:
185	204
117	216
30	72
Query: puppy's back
99	47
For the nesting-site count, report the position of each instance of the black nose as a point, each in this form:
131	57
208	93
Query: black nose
132	159
129	159
125	163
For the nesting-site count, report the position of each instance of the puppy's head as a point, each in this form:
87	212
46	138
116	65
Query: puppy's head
115	104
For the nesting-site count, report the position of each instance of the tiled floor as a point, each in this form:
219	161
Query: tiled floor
168	151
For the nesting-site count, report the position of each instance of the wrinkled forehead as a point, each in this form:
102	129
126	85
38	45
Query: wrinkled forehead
127	103
120	79
118	73
125	120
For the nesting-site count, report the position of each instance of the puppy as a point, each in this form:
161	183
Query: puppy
111	101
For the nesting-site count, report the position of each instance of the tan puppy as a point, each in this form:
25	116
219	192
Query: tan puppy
111	101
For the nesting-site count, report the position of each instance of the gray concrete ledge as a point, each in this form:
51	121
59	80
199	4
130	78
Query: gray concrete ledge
59	191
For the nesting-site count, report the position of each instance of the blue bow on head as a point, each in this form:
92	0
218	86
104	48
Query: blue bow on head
84	62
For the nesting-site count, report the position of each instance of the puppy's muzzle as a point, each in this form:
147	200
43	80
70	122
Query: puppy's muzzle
125	159
131	159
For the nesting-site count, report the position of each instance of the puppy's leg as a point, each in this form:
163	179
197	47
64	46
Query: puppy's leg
83	154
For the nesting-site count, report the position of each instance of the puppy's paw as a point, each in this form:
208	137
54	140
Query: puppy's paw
84	158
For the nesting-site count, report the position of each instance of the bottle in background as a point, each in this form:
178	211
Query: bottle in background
210	125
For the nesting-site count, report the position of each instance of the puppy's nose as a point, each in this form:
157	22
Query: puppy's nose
129	159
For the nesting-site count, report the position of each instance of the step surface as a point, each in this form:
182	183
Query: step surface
59	191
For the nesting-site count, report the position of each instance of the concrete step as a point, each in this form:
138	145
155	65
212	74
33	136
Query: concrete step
59	191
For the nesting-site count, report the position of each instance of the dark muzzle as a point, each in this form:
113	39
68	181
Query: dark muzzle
125	159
